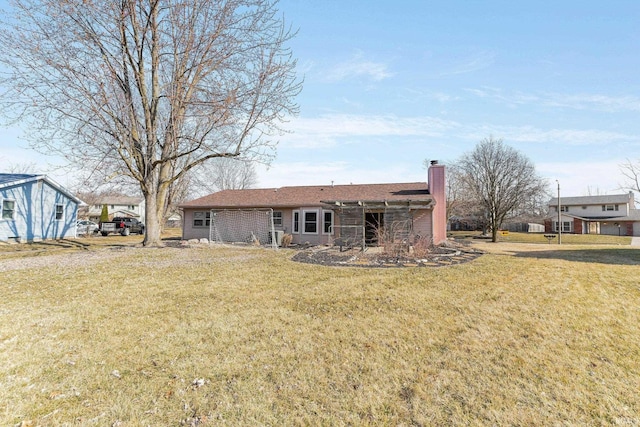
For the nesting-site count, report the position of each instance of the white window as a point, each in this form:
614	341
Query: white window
277	218
327	222
201	219
59	212
310	222
8	209
610	207
566	226
295	223
564	208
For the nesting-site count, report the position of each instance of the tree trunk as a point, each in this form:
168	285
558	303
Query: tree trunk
152	220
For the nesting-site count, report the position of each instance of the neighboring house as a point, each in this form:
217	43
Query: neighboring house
34	207
322	214
122	206
613	215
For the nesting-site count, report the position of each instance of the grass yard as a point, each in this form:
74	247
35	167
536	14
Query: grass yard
117	335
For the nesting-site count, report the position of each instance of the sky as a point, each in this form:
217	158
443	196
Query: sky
388	85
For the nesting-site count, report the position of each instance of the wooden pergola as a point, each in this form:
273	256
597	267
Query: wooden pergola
365	222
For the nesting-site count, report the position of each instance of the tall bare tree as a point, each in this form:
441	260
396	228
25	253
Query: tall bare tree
224	174
501	179
631	171
149	89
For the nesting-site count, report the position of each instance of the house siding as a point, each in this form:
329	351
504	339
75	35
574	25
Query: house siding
189	231
35	213
319	238
422	224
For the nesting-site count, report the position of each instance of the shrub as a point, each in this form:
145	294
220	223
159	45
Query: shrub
286	240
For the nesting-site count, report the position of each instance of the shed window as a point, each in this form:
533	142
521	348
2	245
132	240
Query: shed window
59	212
8	209
201	219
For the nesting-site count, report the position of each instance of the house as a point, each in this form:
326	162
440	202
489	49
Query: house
34	207
609	214
117	205
328	214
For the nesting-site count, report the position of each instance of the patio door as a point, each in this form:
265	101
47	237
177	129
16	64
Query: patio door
373	223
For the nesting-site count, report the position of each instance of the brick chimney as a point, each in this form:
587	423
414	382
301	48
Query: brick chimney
437	188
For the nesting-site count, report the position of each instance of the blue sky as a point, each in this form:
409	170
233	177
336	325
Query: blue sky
390	84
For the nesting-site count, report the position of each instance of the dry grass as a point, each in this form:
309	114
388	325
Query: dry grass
525	335
567	239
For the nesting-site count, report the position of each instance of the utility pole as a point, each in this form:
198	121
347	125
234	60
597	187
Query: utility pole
559	216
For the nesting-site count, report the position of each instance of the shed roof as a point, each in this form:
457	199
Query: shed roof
297	196
7	179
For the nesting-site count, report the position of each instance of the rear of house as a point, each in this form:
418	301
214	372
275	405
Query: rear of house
34	207
325	215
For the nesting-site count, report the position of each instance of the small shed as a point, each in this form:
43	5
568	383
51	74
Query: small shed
34	208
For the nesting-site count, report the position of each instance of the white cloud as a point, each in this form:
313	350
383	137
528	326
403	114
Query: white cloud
339	173
474	62
358	66
596	102
554	136
325	130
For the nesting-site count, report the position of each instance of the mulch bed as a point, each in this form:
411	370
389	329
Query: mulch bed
438	257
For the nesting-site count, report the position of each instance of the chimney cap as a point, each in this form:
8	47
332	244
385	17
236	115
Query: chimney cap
434	162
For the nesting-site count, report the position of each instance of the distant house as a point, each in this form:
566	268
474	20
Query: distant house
326	214
118	205
34	207
610	214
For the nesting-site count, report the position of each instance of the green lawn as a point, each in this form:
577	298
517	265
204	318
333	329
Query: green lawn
113	334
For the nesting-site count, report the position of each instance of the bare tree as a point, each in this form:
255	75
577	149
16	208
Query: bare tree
29	168
149	89
631	172
224	174
501	179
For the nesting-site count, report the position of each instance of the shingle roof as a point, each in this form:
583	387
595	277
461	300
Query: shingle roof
592	200
311	195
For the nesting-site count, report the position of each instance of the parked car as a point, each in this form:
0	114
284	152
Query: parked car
84	227
123	226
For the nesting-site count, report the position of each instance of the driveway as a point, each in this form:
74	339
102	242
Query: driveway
635	241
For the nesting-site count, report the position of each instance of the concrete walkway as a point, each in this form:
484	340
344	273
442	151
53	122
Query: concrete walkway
635	241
